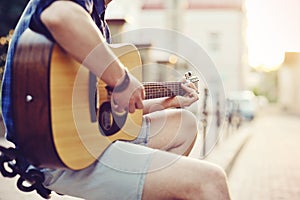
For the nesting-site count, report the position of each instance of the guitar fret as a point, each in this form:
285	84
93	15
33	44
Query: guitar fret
163	89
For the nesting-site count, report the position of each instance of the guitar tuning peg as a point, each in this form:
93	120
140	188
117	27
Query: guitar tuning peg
188	75
192	79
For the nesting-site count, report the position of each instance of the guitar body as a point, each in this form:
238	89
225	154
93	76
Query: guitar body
62	113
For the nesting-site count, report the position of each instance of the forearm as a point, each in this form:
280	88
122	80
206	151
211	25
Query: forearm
189	98
73	29
158	104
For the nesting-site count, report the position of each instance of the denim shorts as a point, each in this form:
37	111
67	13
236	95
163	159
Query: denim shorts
118	174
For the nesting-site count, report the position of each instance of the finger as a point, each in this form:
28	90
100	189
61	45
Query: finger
194	96
131	108
139	105
187	89
143	93
191	85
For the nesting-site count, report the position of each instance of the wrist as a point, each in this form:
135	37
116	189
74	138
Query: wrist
171	102
122	85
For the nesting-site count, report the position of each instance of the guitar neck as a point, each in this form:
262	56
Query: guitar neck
163	89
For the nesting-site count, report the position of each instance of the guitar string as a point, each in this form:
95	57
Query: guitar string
155	90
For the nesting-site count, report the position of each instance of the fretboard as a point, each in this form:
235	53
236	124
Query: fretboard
163	89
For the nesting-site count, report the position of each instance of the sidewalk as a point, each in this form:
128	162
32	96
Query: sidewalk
228	149
269	165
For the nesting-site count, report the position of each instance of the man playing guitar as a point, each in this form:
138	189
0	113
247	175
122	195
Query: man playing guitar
149	167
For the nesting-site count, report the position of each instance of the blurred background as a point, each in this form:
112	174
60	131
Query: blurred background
253	43
255	46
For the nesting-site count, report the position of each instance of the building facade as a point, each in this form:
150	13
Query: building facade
218	26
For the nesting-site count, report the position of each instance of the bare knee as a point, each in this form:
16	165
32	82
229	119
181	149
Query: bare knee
206	181
187	179
212	184
218	179
189	119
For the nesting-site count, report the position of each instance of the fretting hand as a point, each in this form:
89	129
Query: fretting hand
190	97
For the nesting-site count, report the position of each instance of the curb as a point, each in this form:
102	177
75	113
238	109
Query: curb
227	150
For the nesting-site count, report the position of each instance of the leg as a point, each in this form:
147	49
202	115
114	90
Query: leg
138	172
129	171
172	130
186	178
118	174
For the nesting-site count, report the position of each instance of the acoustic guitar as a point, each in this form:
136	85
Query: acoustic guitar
62	112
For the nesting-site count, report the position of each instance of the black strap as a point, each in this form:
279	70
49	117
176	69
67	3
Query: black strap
122	86
10	167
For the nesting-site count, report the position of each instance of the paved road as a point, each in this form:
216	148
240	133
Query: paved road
268	168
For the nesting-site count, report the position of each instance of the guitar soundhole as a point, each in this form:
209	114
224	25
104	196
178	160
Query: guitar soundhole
109	122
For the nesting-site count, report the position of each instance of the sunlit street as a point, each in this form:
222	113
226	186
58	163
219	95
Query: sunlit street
232	65
268	165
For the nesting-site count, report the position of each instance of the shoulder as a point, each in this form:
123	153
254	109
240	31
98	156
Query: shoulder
86	4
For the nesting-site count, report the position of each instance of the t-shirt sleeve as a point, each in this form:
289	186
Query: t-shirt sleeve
37	25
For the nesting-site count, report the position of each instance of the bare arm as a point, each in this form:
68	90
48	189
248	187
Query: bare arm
153	105
75	31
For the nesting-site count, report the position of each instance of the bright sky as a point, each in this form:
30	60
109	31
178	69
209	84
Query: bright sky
273	28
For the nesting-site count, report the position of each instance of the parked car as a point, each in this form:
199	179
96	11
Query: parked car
245	103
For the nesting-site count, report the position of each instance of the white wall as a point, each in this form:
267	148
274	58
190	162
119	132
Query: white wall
289	83
220	32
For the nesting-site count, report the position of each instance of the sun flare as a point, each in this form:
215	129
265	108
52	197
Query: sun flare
264	51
